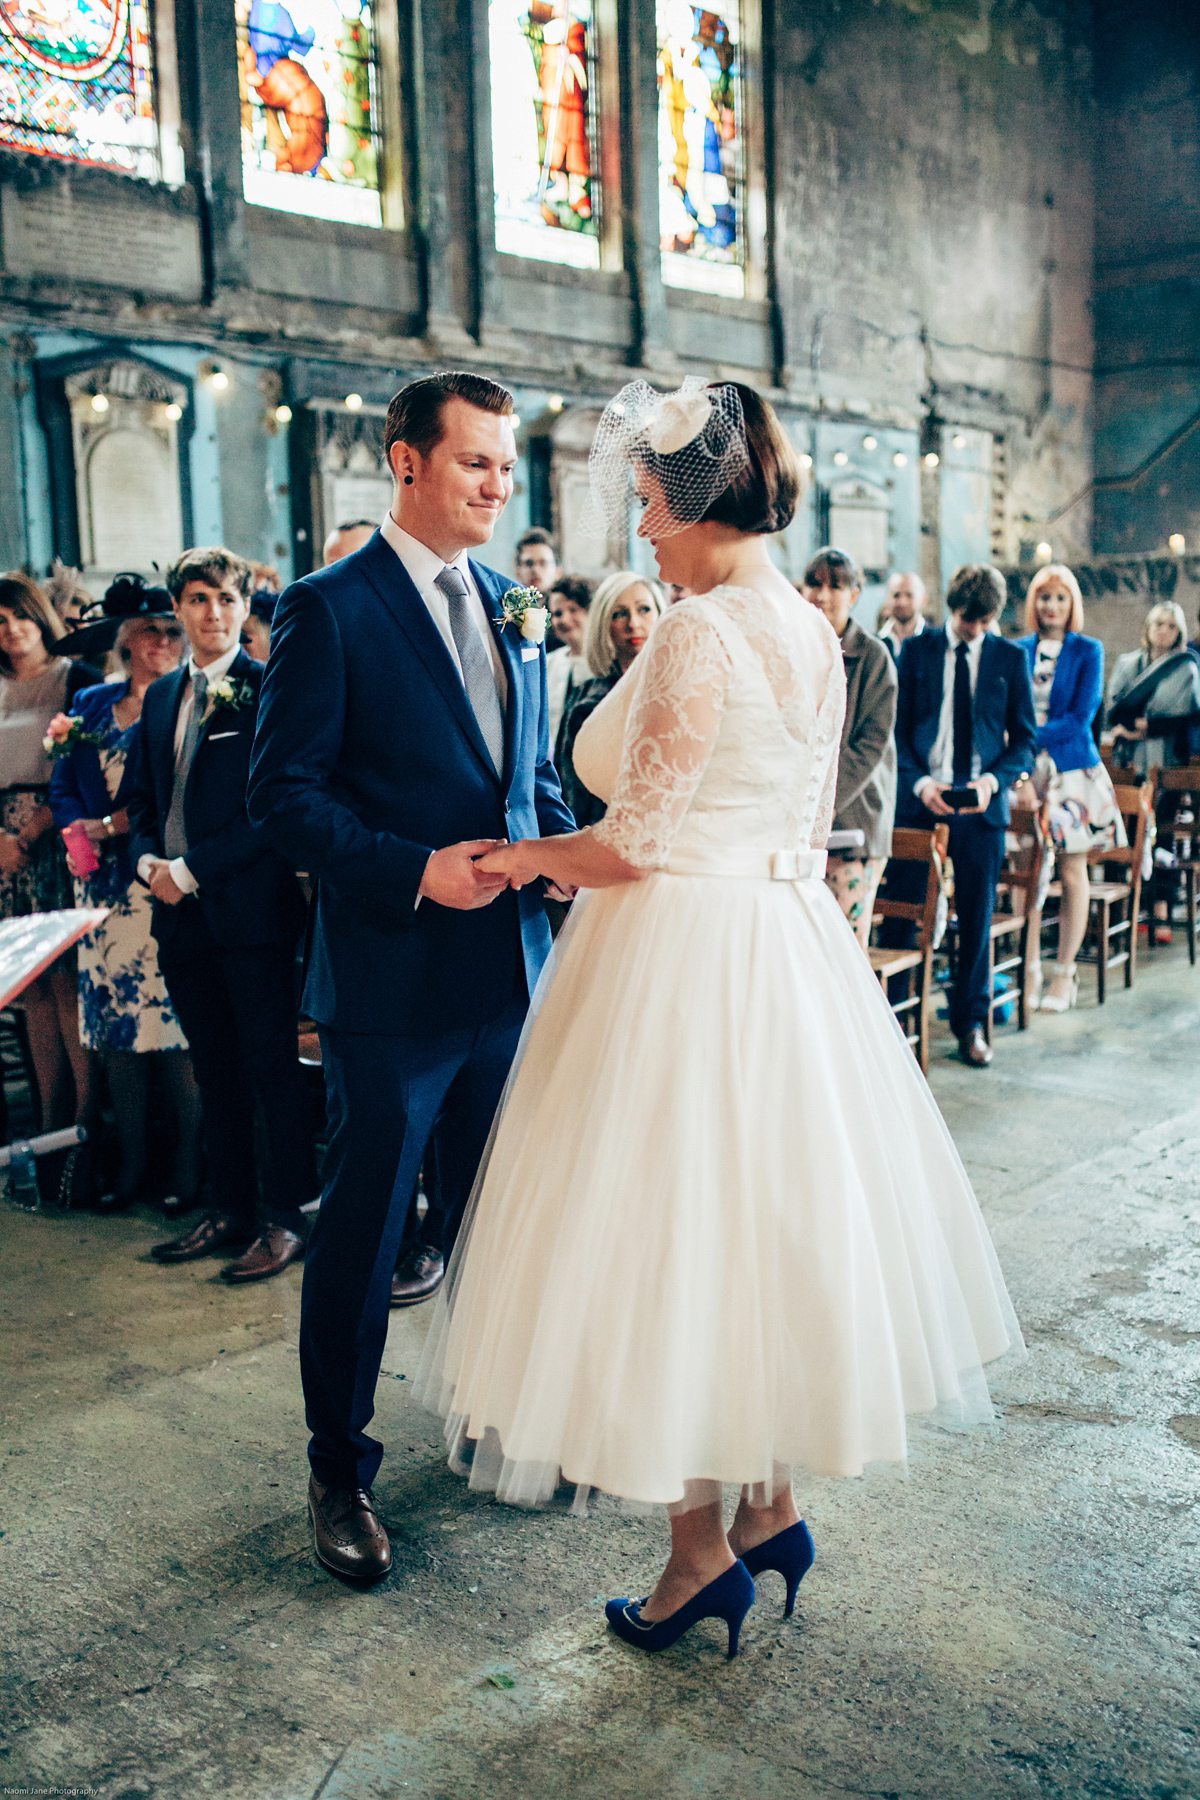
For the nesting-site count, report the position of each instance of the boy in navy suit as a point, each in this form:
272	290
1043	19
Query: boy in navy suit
964	720
227	918
403	733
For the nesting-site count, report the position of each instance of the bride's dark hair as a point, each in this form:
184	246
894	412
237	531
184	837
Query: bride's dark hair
762	497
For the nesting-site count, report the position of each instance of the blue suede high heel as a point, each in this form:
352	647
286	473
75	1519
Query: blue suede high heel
729	1597
790	1553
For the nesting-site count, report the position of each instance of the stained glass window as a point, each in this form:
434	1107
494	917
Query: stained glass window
76	80
310	108
544	130
700	146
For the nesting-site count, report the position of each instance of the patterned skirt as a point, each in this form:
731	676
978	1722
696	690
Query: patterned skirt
1084	814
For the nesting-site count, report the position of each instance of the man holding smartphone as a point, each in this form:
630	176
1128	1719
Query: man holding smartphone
965	734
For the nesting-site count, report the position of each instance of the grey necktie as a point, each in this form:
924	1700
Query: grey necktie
479	678
174	836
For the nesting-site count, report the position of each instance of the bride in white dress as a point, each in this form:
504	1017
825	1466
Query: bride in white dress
721	1231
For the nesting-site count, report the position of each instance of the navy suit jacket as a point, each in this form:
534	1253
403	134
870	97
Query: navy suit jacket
1005	726
368	758
1075	696
247	891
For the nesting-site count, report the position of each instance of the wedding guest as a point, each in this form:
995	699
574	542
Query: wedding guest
227	914
538	563
1153	703
566	667
965	726
256	632
902	614
36	684
866	778
1067	671
344	540
624	610
125	1013
65	590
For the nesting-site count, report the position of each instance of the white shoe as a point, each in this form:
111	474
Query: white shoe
1033	992
1061	1003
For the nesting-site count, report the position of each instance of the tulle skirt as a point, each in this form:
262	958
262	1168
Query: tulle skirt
721	1229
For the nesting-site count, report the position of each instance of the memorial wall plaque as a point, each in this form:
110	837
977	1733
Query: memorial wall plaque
54	231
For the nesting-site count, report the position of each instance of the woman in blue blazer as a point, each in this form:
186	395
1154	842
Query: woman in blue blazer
124	1011
1067	670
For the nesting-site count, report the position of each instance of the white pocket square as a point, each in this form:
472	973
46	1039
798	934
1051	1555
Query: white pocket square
529	652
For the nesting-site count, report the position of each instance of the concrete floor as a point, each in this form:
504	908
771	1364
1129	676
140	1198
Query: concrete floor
1017	1617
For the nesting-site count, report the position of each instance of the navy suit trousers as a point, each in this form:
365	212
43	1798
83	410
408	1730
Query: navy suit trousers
977	851
389	1098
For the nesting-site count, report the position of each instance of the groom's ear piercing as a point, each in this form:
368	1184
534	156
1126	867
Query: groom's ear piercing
408	481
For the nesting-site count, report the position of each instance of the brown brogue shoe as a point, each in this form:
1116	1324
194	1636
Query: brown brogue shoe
216	1231
419	1276
974	1049
267	1255
347	1535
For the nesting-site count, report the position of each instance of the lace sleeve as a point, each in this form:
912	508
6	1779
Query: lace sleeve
669	737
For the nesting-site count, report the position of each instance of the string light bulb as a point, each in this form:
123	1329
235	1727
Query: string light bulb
354	402
840	458
515	421
174	412
932	459
806	460
870	443
555	403
900	461
100	403
220	380
282	414
1045	551
959	441
1177	542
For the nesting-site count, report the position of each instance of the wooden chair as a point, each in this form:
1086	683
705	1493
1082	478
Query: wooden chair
913	1010
1019	930
1186	781
1137	809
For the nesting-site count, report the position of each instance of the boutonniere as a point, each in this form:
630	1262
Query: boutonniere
228	696
65	733
525	608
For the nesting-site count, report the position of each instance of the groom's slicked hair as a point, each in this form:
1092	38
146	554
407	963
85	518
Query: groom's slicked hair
414	416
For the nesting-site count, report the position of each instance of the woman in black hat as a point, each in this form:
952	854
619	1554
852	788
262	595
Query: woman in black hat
124	1013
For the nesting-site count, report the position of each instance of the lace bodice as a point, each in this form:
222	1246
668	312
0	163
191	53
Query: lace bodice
724	734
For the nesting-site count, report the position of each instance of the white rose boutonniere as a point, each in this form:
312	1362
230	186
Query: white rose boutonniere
227	696
525	608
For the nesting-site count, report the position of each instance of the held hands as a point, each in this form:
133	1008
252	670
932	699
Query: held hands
521	863
986	786
162	883
1135	735
459	875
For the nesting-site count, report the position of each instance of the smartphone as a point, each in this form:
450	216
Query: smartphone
961	799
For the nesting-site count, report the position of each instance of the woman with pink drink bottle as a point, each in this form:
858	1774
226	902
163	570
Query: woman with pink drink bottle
124	1013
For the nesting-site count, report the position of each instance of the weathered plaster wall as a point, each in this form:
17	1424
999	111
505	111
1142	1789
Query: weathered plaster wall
1147	274
935	201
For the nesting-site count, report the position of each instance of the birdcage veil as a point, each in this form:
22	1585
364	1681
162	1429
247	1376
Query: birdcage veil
667	455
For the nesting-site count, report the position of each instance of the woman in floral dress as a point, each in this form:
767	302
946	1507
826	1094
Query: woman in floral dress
124	1012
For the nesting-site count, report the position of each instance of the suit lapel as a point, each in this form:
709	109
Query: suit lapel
398	592
162	752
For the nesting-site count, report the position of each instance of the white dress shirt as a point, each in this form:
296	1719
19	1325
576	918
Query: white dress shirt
562	671
181	875
941	757
424	566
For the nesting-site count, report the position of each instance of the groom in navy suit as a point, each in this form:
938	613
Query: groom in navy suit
402	733
964	720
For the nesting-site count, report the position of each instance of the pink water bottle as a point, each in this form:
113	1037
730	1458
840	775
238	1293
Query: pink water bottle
81	848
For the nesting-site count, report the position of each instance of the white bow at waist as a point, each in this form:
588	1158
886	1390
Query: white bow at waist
748	865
